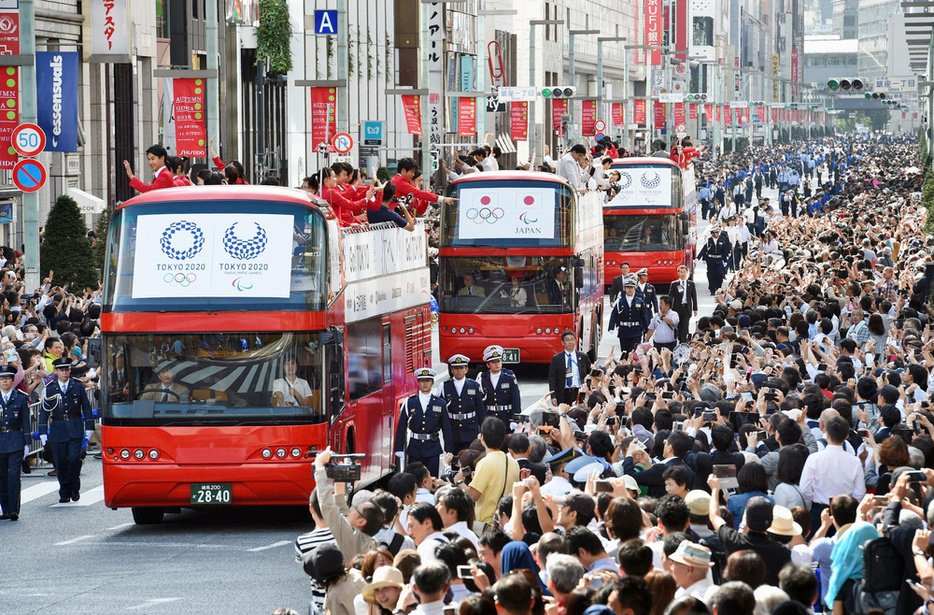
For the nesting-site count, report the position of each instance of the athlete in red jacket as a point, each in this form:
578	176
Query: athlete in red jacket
344	208
404	187
163	176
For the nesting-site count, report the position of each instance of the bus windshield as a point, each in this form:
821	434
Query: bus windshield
213	379
506	285
218	256
508	213
642	233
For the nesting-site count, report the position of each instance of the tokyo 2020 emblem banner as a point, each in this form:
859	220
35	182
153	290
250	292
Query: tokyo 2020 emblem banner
643	186
213	255
505	213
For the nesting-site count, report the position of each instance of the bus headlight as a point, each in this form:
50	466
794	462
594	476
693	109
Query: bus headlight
267	453
296	452
153	454
280	453
539	330
139	453
125	454
470	330
547	329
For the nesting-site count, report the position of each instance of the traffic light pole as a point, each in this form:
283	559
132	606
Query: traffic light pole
533	124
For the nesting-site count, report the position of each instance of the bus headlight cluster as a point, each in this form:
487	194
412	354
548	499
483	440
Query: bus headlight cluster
281	452
667	262
137	454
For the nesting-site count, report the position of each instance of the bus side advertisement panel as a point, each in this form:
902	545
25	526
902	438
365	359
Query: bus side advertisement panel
506	213
641	187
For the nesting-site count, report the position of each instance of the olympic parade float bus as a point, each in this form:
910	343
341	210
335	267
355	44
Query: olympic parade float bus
242	331
650	219
520	261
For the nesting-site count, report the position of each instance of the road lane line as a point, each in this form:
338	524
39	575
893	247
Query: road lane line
274	545
152	602
74	540
38	490
89	498
121	526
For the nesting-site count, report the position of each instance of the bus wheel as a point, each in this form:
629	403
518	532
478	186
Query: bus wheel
148	515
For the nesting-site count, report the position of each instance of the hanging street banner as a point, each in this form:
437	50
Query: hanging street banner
558	108
659	115
411	105
638	111
692	111
57	98
679	114
519	120
588	118
323	115
9	33
9	114
466	116
188	108
616	110
708	113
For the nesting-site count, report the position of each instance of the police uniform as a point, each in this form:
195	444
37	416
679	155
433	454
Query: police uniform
502	399
14	442
647	294
630	320
425	419
466	410
72	424
716	253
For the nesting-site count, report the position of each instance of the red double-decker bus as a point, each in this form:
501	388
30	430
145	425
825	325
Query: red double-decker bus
650	219
520	261
243	330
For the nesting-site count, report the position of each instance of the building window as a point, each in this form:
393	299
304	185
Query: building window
162	19
703	31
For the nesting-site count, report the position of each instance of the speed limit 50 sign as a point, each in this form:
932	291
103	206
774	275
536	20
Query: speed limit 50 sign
28	140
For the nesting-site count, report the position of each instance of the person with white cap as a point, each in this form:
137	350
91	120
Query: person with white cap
690	565
422	419
465	408
646	291
629	317
15	439
498	387
716	253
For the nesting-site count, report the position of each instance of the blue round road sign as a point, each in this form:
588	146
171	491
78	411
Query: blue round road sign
29	175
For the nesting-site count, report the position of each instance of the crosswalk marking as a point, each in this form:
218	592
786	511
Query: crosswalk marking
274	545
38	490
74	540
89	498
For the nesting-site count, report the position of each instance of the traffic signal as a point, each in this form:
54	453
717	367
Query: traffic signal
757	103
559	91
846	84
697	98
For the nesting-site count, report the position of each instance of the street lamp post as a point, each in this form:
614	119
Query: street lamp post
532	122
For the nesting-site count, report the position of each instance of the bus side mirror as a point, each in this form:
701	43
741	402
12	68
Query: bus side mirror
685	223
578	277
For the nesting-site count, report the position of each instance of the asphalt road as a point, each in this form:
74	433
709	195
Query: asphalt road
82	558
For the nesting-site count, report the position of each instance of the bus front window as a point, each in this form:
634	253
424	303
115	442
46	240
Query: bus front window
640	233
216	378
506	285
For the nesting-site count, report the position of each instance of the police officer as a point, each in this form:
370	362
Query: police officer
465	406
424	417
65	402
716	253
14	442
629	317
499	387
646	292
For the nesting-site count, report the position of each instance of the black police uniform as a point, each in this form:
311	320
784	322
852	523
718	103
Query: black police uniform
466	413
649	295
501	401
424	426
14	437
70	414
631	322
717	254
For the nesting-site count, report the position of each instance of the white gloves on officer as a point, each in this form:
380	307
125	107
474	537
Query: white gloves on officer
26	450
43	439
88	433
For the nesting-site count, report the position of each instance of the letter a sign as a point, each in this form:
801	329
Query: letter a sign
325	22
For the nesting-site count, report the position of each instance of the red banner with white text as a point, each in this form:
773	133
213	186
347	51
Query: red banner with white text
616	110
692	111
659	115
708	113
411	104
519	120
9	99
558	108
188	107
466	116
323	115
638	112
679	114
588	118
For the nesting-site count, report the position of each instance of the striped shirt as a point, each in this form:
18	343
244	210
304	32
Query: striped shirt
306	543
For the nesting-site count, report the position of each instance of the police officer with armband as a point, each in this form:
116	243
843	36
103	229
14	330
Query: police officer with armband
465	405
499	387
423	416
14	442
629	317
65	402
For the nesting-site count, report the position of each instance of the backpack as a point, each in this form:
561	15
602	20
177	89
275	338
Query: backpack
883	566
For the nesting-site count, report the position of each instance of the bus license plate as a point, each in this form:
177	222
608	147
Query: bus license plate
510	355
211	493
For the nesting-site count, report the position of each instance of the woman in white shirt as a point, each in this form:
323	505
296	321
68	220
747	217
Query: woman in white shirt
291	390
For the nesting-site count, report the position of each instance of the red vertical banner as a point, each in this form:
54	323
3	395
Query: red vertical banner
653	29
466	116
190	128
679	114
616	110
558	108
760	112
728	116
708	113
774	116
519	120
323	115
411	105
692	111
9	117
588	118
794	72
659	114
638	111
718	113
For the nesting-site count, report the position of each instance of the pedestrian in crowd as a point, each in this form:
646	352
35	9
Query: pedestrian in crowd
683	295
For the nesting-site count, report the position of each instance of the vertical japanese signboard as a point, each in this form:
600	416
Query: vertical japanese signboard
466	116
638	111
190	131
323	115
413	113
653	29
519	120
435	58
109	27
558	108
588	118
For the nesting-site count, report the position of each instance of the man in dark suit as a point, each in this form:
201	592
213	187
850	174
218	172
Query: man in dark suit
683	294
617	286
568	370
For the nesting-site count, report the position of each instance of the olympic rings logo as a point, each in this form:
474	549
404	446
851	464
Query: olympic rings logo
485	214
179	279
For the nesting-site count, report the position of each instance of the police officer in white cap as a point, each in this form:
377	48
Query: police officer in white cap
14	442
424	418
465	406
629	317
646	292
499	387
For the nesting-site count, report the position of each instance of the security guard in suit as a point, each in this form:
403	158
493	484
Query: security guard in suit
465	406
15	438
646	292
424	417
629	317
717	253
499	386
66	403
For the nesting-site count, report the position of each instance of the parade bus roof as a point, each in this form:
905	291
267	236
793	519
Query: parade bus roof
221	193
645	160
510	176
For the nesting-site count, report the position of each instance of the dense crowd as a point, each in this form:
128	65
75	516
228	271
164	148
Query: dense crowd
779	460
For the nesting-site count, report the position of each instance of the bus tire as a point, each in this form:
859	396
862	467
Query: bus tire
148	515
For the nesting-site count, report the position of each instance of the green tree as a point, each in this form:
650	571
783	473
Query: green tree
65	247
274	36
